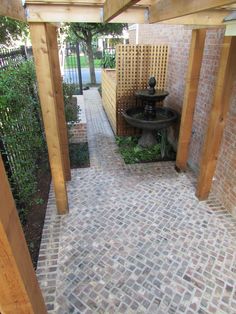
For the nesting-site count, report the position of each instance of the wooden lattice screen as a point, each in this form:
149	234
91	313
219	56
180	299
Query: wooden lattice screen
134	65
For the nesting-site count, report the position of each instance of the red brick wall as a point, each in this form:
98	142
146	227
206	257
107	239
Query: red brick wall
178	38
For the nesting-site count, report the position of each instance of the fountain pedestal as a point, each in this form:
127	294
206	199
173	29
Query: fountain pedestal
147	139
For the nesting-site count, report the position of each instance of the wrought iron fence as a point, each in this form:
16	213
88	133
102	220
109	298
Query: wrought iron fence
14	56
72	68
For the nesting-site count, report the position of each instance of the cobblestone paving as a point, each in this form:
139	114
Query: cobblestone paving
136	239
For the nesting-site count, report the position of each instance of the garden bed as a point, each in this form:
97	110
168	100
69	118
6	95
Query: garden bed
78	147
79	155
34	219
133	153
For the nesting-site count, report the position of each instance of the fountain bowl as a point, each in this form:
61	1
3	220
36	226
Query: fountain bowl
165	117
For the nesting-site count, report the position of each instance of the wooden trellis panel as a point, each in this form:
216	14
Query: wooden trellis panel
135	64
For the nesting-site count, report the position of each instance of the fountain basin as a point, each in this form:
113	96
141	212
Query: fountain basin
164	118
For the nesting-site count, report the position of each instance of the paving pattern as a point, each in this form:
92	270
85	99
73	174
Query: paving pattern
136	239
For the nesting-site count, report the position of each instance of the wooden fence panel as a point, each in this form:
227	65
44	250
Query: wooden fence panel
109	95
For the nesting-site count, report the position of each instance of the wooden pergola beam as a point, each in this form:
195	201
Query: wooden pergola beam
144	3
113	8
45	77
57	80
190	95
13	9
218	114
206	18
19	289
164	10
80	13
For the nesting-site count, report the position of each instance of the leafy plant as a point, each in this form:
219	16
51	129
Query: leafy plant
133	153
22	140
79	155
12	30
71	107
39	201
108	61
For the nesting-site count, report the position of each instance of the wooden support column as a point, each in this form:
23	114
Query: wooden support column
218	114
44	70
19	289
57	80
190	95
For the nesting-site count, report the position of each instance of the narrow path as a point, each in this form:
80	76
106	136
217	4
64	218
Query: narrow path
136	239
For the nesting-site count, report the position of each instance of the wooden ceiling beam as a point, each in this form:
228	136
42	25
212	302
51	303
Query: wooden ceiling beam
164	10
67	2
72	13
206	18
13	9
112	8
143	3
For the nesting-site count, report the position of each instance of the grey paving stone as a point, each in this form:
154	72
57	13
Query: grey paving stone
136	239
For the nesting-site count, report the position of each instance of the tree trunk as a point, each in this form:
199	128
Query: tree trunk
91	62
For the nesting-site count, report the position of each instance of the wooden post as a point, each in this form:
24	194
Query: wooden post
40	44
190	95
19	289
55	65
218	114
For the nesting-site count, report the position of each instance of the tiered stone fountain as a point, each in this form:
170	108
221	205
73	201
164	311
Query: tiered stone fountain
148	116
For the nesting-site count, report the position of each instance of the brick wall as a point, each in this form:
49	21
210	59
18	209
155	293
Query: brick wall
132	36
178	38
78	131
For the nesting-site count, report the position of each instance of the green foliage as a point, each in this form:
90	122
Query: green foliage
20	130
71	108
79	155
133	153
39	201
87	31
108	61
71	62
11	30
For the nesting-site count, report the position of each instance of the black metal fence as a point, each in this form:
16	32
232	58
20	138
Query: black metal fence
72	67
14	56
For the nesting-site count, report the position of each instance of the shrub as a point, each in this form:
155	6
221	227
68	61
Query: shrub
108	61
21	134
71	108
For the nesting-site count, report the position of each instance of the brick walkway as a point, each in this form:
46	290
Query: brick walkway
136	239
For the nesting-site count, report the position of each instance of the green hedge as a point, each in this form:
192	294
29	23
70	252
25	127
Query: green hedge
20	129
